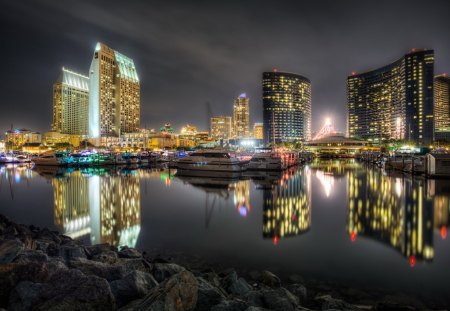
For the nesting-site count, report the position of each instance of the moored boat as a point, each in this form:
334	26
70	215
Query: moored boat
211	160
53	159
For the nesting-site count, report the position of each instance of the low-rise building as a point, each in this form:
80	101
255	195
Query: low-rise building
17	138
336	145
135	140
55	139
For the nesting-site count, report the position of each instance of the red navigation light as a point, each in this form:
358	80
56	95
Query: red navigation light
443	232
274	69
275	240
444	74
413	50
353	236
353	73
412	261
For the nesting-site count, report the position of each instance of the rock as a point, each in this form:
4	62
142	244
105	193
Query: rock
127	252
162	271
31	256
13	273
270	279
326	302
72	290
135	264
69	252
108	257
134	285
230	305
102	270
234	285
94	250
273	299
9	249
25	295
208	295
252	308
298	291
179	293
295	278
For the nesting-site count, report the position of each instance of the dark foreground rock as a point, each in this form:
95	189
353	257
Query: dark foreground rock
43	270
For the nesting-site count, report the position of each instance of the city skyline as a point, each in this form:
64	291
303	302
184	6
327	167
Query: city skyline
201	64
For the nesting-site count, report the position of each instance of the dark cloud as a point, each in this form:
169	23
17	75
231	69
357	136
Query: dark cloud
192	52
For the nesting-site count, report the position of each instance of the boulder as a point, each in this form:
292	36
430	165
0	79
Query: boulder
299	291
162	271
178	293
132	264
273	299
208	295
108	257
234	285
102	270
69	252
127	252
98	249
67	290
31	256
9	249
270	279
134	285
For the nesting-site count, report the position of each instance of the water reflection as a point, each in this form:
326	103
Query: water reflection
101	204
287	206
396	211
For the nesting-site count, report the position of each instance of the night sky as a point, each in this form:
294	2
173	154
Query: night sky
188	53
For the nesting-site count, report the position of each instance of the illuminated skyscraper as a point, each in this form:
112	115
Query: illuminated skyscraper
287	107
221	127
442	107
114	99
241	116
71	103
394	101
258	131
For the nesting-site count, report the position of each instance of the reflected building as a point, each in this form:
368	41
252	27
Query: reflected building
393	210
105	207
287	206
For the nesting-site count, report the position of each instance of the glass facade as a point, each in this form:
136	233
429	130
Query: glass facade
221	127
70	103
393	102
241	116
442	108
114	101
287	107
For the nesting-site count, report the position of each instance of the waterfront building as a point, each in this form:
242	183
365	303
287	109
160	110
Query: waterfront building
55	138
258	131
18	137
241	116
135	140
442	108
221	127
287	107
186	138
336	145
163	139
114	97
2	145
394	102
71	103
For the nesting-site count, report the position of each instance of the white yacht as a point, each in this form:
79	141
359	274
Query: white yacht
53	159
266	161
14	158
210	160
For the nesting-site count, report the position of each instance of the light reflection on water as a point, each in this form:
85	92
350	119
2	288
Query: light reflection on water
330	219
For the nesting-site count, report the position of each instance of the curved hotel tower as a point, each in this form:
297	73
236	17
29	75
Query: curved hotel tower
114	101
394	101
287	107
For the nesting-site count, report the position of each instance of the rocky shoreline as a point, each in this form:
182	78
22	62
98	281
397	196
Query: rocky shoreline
41	269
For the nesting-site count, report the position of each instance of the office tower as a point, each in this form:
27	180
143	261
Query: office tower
71	103
114	99
442	108
258	131
221	127
394	101
287	107
241	116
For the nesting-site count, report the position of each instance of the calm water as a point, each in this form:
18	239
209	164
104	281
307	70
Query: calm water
339	221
